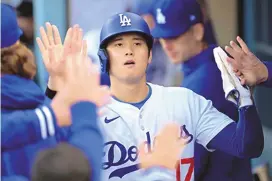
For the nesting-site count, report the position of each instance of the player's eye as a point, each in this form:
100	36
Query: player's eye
138	43
118	44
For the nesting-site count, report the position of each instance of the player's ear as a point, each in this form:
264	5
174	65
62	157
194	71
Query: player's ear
150	57
198	31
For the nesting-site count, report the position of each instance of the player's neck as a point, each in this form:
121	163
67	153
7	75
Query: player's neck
131	93
201	47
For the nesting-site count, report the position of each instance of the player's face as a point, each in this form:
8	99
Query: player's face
179	49
129	57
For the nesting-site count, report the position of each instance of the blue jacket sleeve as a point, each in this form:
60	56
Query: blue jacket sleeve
85	135
243	139
26	127
268	82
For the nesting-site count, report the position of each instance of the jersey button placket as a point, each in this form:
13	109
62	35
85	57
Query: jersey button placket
141	121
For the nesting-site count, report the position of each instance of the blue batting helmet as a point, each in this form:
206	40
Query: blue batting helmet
118	24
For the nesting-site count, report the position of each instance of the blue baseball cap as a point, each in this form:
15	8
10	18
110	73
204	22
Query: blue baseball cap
10	31
175	17
141	7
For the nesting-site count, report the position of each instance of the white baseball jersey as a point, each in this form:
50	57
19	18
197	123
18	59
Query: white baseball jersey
125	127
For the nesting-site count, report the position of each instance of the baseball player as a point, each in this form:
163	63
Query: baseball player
247	66
139	110
182	35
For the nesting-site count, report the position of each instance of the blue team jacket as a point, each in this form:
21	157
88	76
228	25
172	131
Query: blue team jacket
202	76
23	107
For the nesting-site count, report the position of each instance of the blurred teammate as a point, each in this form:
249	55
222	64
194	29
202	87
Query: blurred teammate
180	27
139	110
30	123
161	70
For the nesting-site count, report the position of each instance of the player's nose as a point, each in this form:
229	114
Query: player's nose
129	51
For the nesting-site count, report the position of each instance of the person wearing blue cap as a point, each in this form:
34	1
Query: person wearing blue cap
144	7
160	71
179	26
30	122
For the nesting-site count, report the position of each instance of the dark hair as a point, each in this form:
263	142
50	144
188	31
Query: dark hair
144	36
25	9
62	163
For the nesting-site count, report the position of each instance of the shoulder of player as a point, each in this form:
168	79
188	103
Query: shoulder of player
174	92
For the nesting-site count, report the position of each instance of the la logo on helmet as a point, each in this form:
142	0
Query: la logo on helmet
124	20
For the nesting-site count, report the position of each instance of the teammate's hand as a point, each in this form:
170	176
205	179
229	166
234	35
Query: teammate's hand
54	53
167	149
246	65
82	80
82	83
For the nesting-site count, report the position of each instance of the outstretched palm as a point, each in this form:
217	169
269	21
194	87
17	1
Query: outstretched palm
167	149
246	65
54	53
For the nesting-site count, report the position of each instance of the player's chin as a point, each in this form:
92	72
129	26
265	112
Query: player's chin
175	59
132	78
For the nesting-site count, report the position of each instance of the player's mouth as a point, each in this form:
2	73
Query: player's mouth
129	63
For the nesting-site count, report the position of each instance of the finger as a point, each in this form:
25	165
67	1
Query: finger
43	51
238	73
143	156
76	26
79	42
243	44
67	42
234	63
242	77
74	34
243	81
57	37
235	70
182	142
44	37
74	42
68	36
80	35
141	149
50	33
40	45
84	48
235	46
231	51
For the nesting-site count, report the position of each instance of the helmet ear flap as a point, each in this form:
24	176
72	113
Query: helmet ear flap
104	58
